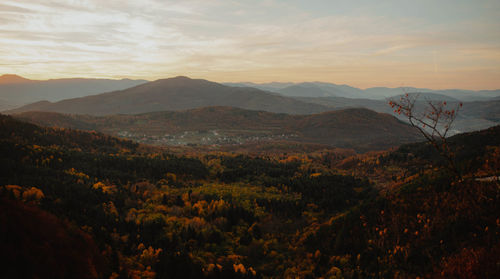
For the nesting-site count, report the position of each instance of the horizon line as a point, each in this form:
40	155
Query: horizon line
226	82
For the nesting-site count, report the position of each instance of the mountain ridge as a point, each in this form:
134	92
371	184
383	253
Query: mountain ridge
375	93
356	128
176	93
16	91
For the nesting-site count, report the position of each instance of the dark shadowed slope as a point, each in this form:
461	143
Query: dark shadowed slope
40	245
177	93
360	129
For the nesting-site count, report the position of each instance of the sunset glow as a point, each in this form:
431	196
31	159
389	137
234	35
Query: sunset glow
433	44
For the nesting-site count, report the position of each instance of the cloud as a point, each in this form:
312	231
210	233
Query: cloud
239	40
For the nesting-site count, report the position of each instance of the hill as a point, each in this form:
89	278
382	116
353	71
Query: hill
175	94
149	213
360	129
131	212
473	116
16	91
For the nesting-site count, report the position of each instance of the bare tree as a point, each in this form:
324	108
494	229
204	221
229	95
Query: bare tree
433	120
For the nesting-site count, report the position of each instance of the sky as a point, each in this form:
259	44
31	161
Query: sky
429	44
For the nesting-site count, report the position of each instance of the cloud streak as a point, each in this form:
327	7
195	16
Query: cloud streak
248	40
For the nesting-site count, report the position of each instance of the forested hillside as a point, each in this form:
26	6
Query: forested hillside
358	129
109	208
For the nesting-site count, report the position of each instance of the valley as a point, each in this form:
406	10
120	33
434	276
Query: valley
264	139
359	129
480	109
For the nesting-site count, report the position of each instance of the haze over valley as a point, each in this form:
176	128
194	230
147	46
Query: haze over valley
481	109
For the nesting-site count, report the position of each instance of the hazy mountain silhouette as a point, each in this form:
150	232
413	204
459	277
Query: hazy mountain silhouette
309	89
270	86
300	90
16	91
177	93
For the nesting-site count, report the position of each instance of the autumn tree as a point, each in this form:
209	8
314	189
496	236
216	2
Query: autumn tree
433	119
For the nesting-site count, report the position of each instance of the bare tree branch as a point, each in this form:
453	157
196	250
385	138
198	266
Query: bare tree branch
433	122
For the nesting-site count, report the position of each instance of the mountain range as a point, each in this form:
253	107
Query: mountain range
182	93
323	89
16	91
173	94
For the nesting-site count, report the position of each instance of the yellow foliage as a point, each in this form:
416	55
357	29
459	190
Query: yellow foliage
149	256
76	173
161	208
26	194
141	247
198	206
108	189
334	272
33	194
196	223
98	185
171	176
110	208
317	254
15	189
210	267
239	268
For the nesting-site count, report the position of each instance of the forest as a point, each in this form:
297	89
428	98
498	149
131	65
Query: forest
81	204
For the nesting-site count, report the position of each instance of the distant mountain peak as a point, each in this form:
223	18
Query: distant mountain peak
177	78
11	78
181	77
182	82
177	93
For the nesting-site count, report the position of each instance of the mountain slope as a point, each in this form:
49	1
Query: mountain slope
360	129
355	128
174	94
473	116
